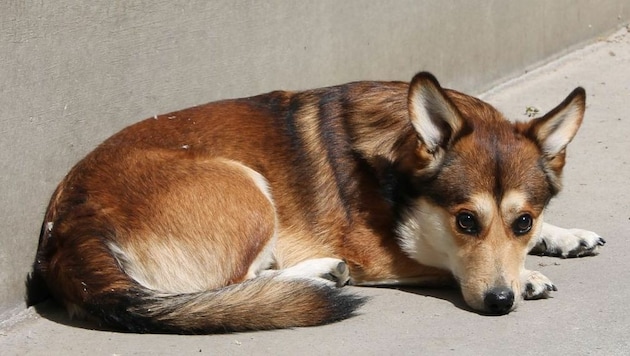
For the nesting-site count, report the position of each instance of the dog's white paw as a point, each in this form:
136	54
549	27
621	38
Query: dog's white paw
557	241
329	269
536	285
589	243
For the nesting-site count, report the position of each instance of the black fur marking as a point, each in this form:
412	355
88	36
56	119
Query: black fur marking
36	289
293	109
114	309
398	190
495	151
336	143
342	305
553	181
298	155
441	193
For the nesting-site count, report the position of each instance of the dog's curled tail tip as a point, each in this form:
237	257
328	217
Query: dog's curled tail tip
342	304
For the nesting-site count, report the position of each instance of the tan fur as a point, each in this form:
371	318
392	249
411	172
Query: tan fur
243	224
174	223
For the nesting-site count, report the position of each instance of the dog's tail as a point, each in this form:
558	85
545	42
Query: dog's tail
102	290
268	302
256	304
75	264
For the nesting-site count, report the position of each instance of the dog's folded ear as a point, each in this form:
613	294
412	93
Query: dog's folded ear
556	129
434	117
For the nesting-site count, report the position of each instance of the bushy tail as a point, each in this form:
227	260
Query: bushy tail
256	304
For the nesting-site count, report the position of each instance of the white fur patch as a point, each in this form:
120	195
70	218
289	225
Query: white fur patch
484	207
131	268
425	235
430	133
512	205
565	241
427	105
535	285
561	129
265	258
324	270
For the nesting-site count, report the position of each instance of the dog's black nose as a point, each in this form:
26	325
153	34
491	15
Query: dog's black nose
499	300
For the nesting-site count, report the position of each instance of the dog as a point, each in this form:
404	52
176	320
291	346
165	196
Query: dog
250	213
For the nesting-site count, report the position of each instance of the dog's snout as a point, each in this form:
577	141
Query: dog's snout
499	300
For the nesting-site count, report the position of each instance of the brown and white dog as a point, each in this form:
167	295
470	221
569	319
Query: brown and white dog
249	213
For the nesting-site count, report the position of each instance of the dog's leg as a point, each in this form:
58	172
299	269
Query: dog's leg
536	285
560	242
330	270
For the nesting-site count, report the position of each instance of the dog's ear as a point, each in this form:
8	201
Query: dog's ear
555	130
434	117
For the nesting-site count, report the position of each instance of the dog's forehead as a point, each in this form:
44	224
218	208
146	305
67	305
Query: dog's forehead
512	204
493	159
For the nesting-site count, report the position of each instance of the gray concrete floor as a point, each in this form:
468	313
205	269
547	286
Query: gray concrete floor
588	315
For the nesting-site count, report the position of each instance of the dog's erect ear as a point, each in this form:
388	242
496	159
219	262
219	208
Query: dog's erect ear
434	117
556	129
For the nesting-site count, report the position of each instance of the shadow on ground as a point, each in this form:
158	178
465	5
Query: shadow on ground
56	313
449	294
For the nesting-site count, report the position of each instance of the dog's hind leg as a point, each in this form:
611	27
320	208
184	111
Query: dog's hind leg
561	242
329	270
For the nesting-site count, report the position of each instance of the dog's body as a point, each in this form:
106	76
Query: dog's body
243	214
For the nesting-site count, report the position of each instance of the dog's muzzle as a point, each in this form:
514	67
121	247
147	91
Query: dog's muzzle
499	300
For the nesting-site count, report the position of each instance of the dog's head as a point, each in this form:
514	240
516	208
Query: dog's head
483	183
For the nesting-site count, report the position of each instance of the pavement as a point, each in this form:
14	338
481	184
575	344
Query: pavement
588	315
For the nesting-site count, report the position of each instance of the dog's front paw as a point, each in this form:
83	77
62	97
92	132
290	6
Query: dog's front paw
589	243
537	285
560	242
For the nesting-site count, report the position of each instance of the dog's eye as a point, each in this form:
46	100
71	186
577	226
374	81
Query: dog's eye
522	224
467	223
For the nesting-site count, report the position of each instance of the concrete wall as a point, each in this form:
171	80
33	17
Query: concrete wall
74	72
